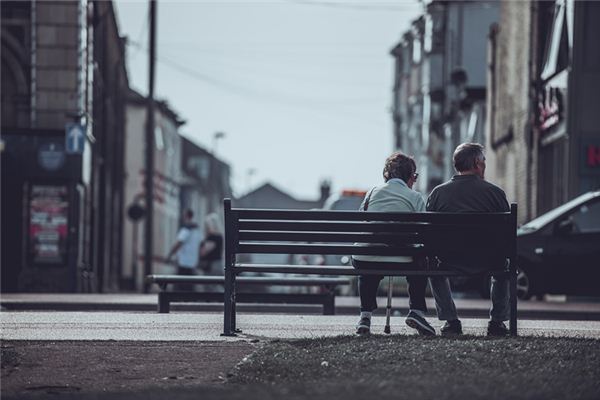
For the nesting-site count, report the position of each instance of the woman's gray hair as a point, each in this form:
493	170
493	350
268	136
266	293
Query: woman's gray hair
399	165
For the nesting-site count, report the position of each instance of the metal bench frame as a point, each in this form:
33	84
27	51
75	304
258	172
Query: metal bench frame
326	298
254	231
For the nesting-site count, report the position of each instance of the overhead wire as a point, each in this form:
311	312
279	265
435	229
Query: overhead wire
278	98
265	69
371	6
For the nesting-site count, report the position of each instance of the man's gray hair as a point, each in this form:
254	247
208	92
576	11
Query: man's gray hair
466	155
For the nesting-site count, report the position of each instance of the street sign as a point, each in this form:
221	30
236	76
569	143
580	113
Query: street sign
74	138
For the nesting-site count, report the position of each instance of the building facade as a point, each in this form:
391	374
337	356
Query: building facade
167	178
440	84
205	180
544	84
63	85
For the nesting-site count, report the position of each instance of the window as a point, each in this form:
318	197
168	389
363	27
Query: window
416	56
587	218
556	58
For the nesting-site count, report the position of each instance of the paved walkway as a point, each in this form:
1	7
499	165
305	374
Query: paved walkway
557	308
148	326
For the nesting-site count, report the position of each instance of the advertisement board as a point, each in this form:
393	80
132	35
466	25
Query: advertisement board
48	223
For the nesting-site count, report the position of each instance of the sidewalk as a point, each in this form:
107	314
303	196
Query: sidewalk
345	305
142	326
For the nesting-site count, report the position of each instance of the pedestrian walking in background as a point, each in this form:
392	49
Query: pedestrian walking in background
211	248
469	192
187	248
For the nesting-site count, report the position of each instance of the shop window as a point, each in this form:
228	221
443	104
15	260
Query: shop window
557	53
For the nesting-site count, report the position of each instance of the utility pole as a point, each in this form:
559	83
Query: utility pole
149	182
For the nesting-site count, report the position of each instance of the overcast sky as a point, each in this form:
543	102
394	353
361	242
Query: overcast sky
301	89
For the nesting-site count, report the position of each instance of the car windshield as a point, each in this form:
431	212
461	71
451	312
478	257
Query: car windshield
544	219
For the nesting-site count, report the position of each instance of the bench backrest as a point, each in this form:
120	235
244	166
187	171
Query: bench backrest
255	231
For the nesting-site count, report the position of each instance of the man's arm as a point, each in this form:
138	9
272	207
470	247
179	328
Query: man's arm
206	246
174	249
502	201
182	236
432	201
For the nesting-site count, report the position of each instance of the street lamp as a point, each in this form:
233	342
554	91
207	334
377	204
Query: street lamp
216	137
250	172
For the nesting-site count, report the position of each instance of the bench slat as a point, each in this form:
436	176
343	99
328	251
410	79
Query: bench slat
432	217
343	270
248	280
341	237
458	228
318	248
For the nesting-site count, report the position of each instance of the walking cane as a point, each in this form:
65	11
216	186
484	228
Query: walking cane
388	311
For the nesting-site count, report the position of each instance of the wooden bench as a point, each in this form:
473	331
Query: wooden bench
325	297
253	231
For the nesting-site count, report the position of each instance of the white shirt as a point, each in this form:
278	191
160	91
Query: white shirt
188	253
393	196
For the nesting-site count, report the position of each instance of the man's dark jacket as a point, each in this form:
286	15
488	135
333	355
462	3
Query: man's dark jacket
467	194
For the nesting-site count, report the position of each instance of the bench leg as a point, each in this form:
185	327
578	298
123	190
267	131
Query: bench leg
513	302
229	304
329	304
233	308
163	303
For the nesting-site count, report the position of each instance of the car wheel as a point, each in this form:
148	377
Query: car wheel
523	285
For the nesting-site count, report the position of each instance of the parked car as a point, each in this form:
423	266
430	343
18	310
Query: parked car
557	252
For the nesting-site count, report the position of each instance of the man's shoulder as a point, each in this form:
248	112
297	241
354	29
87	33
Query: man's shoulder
492	187
443	186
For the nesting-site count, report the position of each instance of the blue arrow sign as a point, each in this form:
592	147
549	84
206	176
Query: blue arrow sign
74	138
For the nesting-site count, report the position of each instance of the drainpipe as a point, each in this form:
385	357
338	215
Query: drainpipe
33	84
530	126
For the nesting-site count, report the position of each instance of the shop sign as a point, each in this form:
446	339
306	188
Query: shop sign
51	156
593	156
590	156
74	138
48	223
550	108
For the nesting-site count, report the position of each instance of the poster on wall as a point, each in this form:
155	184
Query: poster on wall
48	223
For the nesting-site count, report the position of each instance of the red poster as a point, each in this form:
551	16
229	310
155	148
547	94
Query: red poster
48	223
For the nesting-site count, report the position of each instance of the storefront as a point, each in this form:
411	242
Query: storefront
568	94
42	214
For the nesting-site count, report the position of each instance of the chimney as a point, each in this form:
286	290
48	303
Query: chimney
325	191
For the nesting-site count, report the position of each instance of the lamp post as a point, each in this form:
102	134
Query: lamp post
250	172
149	156
216	137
